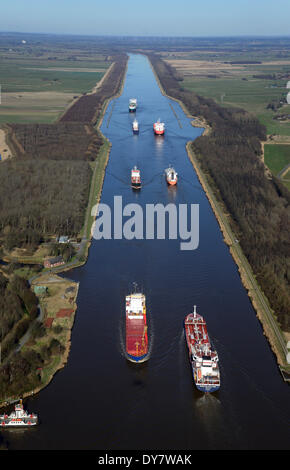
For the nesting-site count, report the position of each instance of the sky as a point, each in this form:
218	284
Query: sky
148	18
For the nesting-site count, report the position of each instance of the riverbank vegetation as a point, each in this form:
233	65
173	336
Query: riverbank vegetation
44	189
253	77
258	204
46	349
55	174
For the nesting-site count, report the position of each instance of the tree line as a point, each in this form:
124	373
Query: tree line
258	204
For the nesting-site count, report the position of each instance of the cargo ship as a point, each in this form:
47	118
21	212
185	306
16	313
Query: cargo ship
135	178
132	105
135	127
18	418
203	357
171	176
136	328
159	127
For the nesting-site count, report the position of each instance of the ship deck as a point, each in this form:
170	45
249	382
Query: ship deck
136	336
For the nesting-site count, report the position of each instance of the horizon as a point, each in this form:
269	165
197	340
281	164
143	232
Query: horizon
109	35
183	19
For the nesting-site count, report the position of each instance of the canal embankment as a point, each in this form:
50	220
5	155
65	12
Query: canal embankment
266	315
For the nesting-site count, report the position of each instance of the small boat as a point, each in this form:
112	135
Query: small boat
135	178
132	105
136	328
171	176
202	356
135	127
18	418
159	127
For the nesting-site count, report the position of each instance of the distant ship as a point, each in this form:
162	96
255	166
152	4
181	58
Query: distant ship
18	418
132	105
203	357
171	176
136	328
135	178
159	127
135	127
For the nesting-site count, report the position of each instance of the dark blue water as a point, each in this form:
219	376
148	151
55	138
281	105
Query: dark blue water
101	401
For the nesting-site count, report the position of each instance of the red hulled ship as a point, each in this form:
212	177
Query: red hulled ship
136	328
203	357
159	127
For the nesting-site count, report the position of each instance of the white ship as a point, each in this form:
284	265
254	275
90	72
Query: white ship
132	105
18	418
171	176
135	178
135	126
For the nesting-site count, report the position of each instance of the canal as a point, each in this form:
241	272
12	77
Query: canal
100	400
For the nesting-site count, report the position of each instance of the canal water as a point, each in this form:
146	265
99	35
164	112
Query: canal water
100	400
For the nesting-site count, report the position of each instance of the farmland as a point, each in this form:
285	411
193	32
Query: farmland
253	79
277	157
260	87
37	84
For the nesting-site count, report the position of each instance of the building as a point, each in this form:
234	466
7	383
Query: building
53	262
63	239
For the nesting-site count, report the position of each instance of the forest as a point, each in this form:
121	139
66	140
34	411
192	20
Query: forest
18	308
88	107
258	204
44	192
61	141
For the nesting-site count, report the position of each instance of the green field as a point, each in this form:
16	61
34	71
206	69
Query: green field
61	76
38	89
277	157
252	94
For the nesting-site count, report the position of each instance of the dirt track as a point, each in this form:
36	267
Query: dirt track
5	151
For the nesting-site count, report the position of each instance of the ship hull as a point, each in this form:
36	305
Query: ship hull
171	182
17	425
136	185
137	359
158	132
135	131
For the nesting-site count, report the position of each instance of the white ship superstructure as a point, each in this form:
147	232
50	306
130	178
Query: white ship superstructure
18	418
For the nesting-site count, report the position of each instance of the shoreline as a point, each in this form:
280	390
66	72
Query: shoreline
228	239
94	199
65	355
271	331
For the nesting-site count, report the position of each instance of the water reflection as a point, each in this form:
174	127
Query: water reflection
159	145
209	412
172	193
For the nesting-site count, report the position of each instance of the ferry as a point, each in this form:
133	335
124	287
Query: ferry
171	176
18	418
135	127
159	127
136	328
135	178
203	357
132	105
